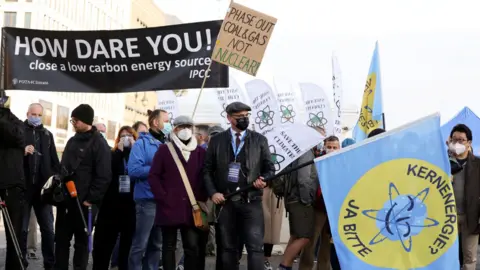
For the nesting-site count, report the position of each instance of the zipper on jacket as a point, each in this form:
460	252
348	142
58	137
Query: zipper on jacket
34	159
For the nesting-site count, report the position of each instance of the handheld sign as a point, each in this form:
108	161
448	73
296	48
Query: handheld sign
243	38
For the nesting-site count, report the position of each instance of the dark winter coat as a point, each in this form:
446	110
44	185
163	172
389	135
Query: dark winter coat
12	149
302	184
173	205
44	162
113	199
94	174
472	193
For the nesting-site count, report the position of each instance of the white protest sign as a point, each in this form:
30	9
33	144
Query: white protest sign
265	114
167	100
228	95
317	107
288	143
286	98
337	97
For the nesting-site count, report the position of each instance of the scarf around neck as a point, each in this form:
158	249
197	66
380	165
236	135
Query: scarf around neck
185	149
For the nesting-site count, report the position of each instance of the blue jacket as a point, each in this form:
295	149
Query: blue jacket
139	164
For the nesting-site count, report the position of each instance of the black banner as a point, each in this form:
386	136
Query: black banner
160	58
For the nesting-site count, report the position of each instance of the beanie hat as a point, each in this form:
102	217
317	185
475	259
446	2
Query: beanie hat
347	142
84	113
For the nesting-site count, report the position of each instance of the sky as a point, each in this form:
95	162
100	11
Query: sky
429	49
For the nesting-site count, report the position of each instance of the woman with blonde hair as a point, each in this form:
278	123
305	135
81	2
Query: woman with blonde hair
117	212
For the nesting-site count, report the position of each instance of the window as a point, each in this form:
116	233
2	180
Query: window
111	129
62	117
9	19
47	112
28	20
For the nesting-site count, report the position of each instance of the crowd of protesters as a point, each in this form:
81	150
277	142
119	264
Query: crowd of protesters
163	183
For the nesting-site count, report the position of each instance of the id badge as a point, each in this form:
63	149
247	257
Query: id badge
233	172
124	184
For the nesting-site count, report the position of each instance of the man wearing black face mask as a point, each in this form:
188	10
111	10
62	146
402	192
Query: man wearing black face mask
235	158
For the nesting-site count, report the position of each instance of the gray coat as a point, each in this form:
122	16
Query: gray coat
302	185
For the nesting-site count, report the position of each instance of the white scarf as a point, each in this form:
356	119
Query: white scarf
185	149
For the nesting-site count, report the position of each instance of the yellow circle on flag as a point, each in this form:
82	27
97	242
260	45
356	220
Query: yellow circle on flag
400	215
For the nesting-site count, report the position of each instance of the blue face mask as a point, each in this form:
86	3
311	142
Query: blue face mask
34	121
167	128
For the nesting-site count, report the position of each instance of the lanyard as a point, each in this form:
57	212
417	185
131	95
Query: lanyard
236	150
125	166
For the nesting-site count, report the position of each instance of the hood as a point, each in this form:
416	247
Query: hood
85	135
5	113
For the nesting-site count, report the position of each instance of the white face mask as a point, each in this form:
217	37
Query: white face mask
457	148
126	141
185	134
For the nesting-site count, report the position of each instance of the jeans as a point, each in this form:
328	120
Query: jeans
14	200
245	219
194	244
44	215
146	250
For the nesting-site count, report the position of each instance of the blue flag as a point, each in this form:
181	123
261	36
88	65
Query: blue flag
371	111
390	201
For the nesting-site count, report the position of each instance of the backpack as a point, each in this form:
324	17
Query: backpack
282	185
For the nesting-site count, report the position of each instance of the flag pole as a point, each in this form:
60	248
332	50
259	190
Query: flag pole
383	121
201	89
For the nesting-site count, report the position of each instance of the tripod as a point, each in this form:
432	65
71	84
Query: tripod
10	228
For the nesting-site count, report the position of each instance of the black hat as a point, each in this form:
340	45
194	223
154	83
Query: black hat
236	107
84	113
375	132
215	130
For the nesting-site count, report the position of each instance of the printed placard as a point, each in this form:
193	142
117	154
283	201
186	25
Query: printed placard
158	58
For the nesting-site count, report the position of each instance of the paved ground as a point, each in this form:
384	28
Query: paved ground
37	264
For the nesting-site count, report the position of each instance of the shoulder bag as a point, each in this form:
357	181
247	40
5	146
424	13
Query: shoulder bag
200	211
54	191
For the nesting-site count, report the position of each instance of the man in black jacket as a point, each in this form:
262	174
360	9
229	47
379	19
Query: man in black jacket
91	177
40	162
236	158
12	180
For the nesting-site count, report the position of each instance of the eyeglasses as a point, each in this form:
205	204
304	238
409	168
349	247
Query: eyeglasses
126	135
458	140
237	116
73	122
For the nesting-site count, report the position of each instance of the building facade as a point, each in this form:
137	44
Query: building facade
144	13
68	15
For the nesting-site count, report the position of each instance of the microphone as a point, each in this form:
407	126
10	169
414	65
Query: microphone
72	189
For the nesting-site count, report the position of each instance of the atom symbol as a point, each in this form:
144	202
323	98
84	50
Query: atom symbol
224	112
401	218
288	114
317	120
276	158
264	117
337	103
